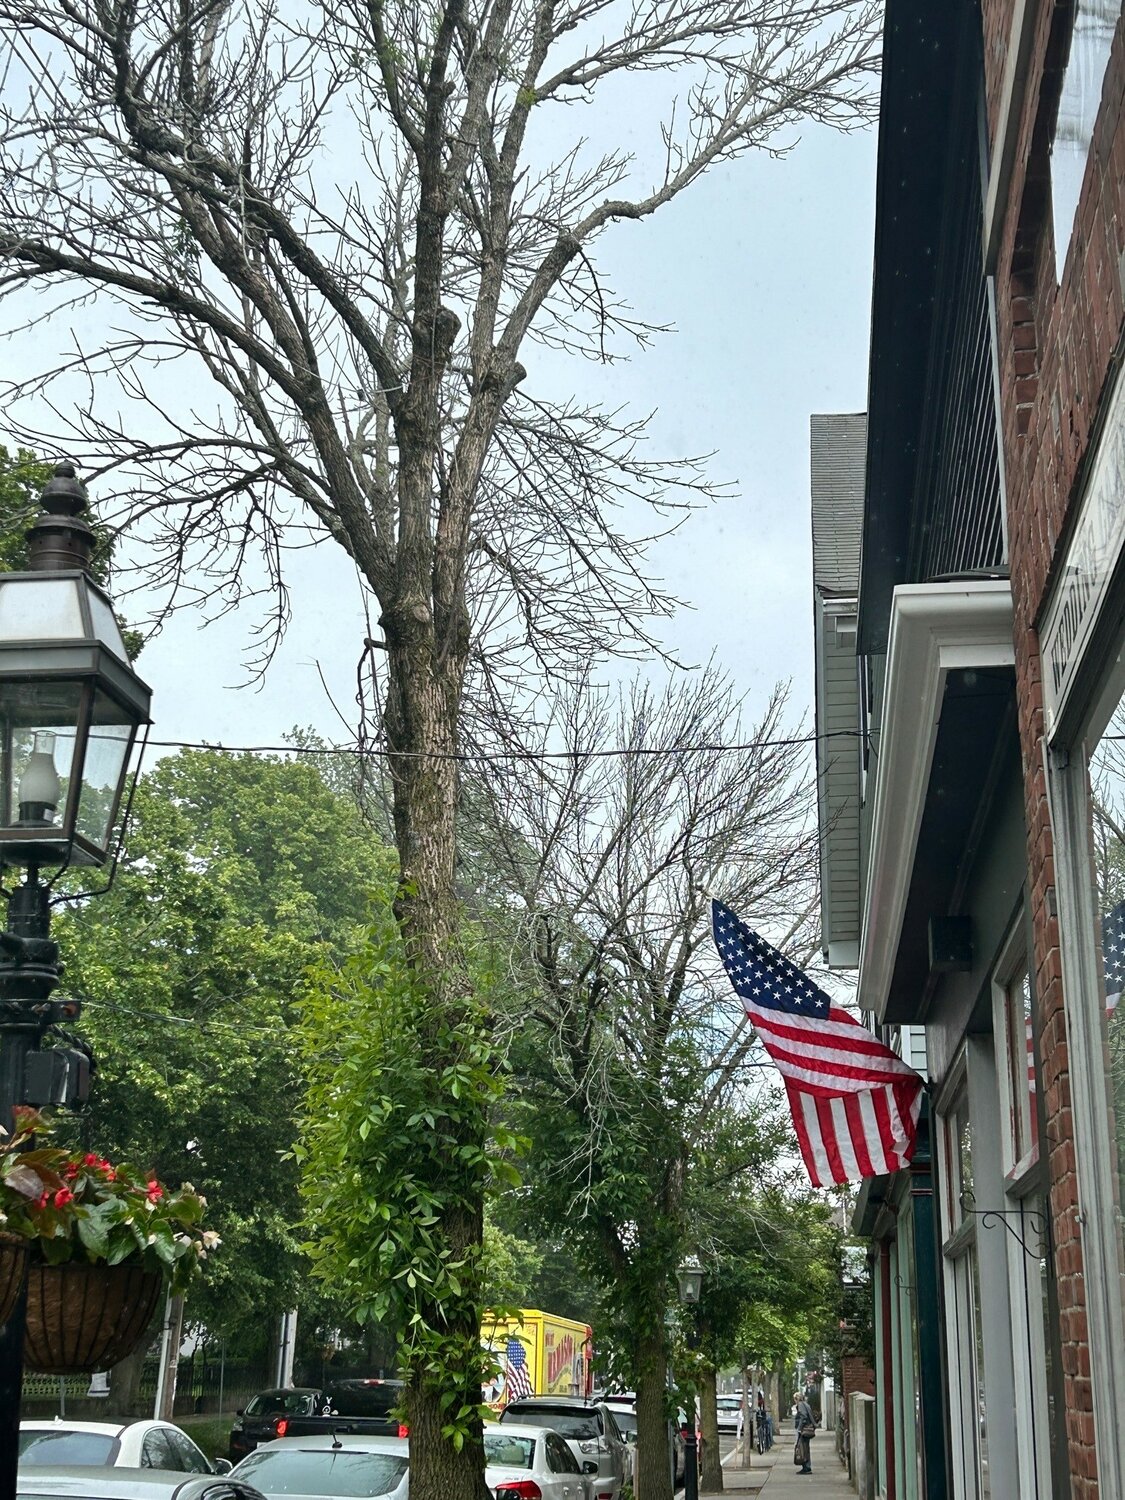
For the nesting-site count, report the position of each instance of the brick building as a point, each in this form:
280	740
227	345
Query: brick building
989	717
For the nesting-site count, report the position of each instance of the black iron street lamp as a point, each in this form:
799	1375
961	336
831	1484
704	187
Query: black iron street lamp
690	1279
70	709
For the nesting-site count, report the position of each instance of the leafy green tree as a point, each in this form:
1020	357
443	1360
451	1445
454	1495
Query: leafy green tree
22	477
376	1141
238	873
627	1043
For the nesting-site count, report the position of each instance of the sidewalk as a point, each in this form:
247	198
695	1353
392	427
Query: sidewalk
773	1472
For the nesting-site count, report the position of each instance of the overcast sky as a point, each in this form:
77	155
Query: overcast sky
764	268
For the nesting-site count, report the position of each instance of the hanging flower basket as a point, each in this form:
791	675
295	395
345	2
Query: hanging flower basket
13	1264
85	1317
100	1241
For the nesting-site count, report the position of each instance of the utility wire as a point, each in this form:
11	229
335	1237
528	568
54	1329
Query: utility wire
492	755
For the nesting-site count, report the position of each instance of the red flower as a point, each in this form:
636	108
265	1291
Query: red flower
70	1171
92	1160
110	1173
63	1197
155	1191
42	1200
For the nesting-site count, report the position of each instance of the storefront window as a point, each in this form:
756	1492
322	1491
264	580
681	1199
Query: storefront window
1107	788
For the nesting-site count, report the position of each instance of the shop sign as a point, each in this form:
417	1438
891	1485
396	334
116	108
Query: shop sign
1094	548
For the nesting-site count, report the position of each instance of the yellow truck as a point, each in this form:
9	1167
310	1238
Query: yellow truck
539	1354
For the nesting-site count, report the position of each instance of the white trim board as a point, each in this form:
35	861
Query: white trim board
936	628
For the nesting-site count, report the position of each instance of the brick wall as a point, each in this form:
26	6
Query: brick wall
856	1377
1055	344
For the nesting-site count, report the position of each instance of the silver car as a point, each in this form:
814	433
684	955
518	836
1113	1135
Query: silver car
308	1468
96	1482
532	1460
591	1433
129	1445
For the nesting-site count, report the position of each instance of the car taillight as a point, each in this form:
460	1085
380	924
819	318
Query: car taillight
403	1430
281	1426
525	1487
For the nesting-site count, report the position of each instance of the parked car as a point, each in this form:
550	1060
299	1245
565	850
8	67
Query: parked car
363	1405
590	1431
324	1464
531	1462
91	1482
133	1445
728	1410
258	1421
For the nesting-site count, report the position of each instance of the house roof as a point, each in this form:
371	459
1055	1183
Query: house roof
838	456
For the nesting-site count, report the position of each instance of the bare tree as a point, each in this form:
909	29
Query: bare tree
347	217
634	1044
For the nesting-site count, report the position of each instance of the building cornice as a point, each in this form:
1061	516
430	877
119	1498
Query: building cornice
935	629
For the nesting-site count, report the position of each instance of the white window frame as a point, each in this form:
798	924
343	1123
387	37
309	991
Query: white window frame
1097	1213
958	1236
1024	1177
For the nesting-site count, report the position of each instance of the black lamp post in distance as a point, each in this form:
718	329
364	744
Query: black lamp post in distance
690	1279
70	709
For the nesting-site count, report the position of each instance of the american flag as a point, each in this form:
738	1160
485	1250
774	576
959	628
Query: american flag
518	1384
855	1104
1113	955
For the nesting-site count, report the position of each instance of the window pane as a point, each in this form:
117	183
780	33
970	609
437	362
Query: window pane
1107	786
1021	1068
1091	42
980	1413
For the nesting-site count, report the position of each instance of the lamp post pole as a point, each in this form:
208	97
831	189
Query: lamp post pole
62	690
28	974
690	1278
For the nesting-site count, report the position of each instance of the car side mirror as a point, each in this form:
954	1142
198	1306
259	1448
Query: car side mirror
241	1412
221	1466
589	1468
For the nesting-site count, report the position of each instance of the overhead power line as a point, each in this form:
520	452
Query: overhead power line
365	751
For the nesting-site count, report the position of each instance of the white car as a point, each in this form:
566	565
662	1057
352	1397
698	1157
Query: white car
120	1445
728	1411
309	1468
531	1461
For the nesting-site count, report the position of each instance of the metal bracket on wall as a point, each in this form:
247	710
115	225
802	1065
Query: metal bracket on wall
1037	1222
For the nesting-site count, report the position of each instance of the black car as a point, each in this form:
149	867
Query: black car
262	1418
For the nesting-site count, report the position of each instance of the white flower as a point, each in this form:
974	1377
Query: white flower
211	1239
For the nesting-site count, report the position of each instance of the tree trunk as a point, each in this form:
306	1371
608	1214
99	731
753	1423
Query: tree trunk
653	1460
125	1381
711	1479
421	714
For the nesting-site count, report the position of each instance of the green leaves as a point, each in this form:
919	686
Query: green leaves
396	1148
238	873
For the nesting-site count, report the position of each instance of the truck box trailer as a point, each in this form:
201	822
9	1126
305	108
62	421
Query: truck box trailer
556	1354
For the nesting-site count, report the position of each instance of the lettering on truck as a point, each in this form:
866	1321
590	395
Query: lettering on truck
559	1358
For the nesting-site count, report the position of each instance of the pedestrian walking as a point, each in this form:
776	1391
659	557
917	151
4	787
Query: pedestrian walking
805	1423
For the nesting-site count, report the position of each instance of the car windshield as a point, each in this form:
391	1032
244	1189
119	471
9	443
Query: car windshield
510	1451
274	1403
579	1425
626	1421
323	1471
55	1447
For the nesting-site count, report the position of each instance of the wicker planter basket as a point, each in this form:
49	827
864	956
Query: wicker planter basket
82	1318
13	1264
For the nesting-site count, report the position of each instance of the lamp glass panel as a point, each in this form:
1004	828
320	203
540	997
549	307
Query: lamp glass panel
107	750
38	721
40	609
106	628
